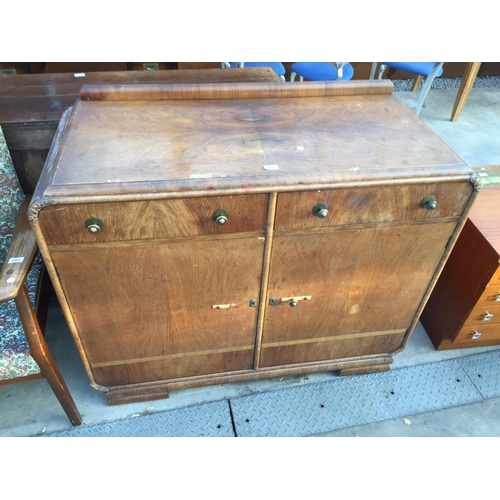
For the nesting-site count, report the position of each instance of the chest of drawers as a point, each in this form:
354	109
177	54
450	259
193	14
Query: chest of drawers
208	234
464	308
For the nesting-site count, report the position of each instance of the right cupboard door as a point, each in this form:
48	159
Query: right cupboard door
365	283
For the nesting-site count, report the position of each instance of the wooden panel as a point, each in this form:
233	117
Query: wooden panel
373	204
490	296
173	367
135	304
329	349
488	333
478	313
143	220
369	280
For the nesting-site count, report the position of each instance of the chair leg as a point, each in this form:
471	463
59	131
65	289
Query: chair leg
416	83
381	71
427	87
372	70
43	357
292	76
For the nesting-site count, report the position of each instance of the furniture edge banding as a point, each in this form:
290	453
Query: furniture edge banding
250	90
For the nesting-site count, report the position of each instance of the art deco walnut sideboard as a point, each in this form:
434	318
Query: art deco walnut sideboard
202	234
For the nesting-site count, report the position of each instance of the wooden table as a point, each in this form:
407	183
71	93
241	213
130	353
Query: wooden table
32	105
206	234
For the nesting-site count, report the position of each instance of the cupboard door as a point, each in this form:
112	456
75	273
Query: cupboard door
365	286
144	312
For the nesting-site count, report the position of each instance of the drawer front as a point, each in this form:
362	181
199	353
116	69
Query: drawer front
142	220
490	296
470	334
483	315
370	204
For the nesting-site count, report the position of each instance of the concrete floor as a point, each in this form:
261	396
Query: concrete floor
31	408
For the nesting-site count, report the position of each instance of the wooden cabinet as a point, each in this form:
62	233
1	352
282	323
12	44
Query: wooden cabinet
208	234
464	308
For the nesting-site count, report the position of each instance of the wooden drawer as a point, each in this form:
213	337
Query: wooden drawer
488	333
142	220
490	296
477	315
370	204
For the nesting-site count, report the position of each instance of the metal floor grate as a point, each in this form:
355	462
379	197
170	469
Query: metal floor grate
319	408
346	402
205	420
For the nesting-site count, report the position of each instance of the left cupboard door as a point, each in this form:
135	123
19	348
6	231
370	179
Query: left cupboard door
144	312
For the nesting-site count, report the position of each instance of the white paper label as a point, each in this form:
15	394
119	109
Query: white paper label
270	167
16	260
200	176
79	75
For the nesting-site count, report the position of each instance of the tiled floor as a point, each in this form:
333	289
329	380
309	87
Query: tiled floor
31	408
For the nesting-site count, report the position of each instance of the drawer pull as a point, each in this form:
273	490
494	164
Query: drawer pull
487	316
429	203
223	306
94	225
321	210
220	217
294	301
475	335
498	298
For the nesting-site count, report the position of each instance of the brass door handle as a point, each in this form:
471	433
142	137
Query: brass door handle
294	301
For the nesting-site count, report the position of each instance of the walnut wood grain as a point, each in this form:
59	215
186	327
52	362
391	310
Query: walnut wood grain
331	349
349	274
218	145
376	204
233	90
158	302
146	220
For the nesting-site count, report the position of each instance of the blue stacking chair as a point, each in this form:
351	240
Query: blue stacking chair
321	71
430	70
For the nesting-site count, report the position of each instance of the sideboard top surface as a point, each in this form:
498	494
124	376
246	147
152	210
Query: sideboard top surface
118	147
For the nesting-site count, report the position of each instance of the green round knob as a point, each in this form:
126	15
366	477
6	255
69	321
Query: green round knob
321	210
94	225
429	203
220	217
